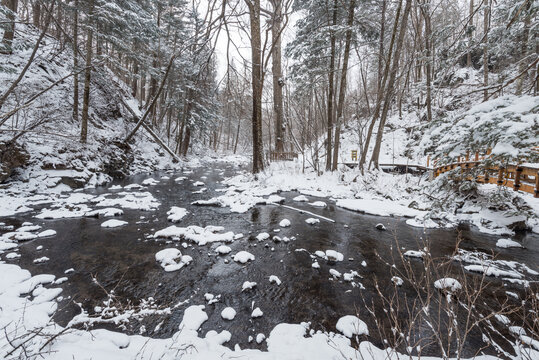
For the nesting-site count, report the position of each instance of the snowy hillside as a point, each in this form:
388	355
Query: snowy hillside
46	130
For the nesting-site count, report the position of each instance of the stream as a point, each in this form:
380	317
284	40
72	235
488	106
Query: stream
122	260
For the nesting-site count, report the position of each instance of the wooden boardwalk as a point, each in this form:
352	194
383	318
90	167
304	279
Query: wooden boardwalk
519	177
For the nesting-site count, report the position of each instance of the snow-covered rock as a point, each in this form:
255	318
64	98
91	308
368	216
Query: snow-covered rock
351	325
228	313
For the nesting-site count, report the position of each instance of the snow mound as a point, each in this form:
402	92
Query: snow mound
312	221
196	234
113	223
176	213
248	285
508	243
106	212
274	280
171	259
228	313
378	207
319	204
284	223
351	325
243	257
257	313
301	198
223	249
448	284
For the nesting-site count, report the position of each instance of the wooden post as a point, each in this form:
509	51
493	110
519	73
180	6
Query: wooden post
516	183
537	184
500	175
487	176
477	156
467	156
428	160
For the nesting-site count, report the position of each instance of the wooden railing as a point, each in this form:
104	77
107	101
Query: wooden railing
519	177
282	156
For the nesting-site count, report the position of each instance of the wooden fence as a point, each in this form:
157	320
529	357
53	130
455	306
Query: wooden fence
519	177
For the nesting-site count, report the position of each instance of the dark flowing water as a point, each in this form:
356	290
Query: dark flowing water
124	260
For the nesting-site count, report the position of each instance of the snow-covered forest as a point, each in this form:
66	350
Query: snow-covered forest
282	179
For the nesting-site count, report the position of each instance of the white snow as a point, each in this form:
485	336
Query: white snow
257	313
448	284
378	207
263	236
196	234
351	325
171	259
312	221
507	243
223	249
46	233
284	223
248	285
319	204
243	257
228	313
301	198
176	213
274	280
112	223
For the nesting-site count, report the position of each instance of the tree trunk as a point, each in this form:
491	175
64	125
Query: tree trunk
470	36
391	85
76	62
278	80
524	52
87	76
342	90
486	25
36	13
9	33
256	74
425	10
331	75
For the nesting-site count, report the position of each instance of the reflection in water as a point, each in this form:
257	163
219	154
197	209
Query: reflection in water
123	259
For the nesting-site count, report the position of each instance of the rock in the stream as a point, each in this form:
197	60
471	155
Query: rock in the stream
380	226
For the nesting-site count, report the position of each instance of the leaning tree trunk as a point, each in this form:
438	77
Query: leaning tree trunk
391	84
377	109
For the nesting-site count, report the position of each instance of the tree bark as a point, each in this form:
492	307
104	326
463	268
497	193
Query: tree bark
524	51
9	33
470	36
342	90
256	83
87	77
486	25
425	10
278	81
76	62
331	75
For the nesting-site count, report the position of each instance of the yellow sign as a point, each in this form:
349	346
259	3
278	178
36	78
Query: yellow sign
354	155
